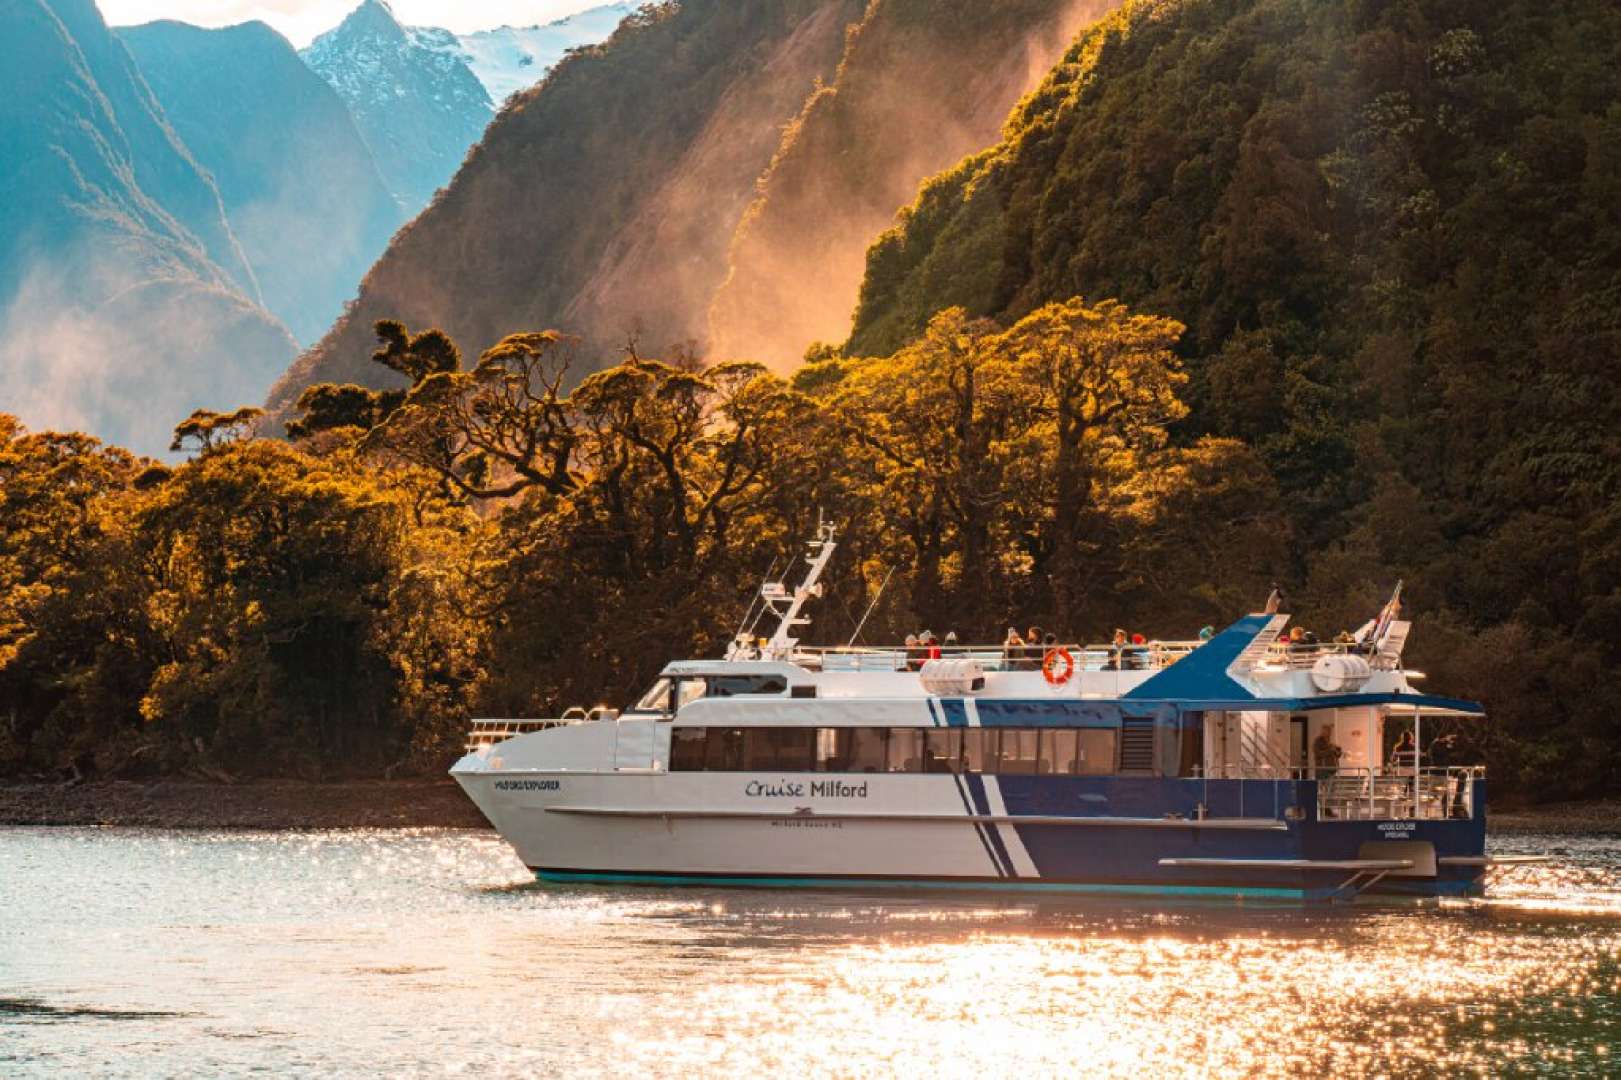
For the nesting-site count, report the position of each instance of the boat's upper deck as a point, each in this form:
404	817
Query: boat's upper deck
1246	666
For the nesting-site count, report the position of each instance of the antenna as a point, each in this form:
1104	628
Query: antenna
746	626
868	613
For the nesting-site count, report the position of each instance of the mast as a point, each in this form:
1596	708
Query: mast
786	606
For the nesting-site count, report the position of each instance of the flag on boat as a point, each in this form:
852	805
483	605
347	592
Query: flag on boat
1387	615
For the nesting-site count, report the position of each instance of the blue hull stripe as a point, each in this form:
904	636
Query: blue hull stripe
982	804
956	712
979	829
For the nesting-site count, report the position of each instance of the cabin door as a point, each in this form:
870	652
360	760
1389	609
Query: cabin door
633	744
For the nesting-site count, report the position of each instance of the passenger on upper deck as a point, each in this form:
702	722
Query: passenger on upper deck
914	655
1012	650
931	645
1117	650
1033	654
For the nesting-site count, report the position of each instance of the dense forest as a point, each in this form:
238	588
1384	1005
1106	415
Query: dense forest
1393	230
501	539
1251	291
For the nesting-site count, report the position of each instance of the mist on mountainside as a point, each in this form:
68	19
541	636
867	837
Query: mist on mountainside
131	366
122	285
655	277
630	164
298	184
842	106
922	84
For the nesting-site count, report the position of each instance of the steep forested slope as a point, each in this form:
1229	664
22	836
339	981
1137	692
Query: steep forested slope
631	164
301	190
120	278
922	83
1394	231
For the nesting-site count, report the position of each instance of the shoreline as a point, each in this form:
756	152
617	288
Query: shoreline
287	805
417	804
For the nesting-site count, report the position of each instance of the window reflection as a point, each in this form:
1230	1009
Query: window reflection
992	751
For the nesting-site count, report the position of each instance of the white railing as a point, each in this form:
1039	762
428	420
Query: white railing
1150	656
1431	793
489	732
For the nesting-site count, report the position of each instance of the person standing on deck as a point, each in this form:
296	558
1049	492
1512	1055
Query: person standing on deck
1012	650
1326	753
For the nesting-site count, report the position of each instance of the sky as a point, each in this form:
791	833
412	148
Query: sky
301	20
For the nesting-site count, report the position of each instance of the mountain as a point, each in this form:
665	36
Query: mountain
922	84
603	200
415	99
125	299
512	58
299	186
1394	234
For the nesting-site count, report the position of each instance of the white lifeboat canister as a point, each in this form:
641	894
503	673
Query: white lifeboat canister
1340	673
952	678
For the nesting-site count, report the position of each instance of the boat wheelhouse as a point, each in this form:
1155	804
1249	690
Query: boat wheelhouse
1239	766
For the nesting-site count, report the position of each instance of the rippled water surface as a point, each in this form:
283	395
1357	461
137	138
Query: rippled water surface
432	953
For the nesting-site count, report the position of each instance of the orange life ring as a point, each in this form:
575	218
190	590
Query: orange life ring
1058	667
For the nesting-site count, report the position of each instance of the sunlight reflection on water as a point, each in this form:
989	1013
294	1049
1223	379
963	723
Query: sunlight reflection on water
432	953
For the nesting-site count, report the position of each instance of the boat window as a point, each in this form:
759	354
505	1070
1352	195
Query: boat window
1097	753
779	749
906	750
1192	738
867	749
657	698
1058	747
833	749
723	750
1018	751
942	750
733	685
687	691
974	749
992	751
687	748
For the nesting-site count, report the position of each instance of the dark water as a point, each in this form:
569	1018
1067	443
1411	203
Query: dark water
430	953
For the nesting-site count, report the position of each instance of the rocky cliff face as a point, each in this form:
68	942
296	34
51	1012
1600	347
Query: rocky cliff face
126	300
415	99
299	186
922	84
602	201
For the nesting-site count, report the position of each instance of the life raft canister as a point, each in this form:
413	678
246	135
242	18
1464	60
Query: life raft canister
1058	667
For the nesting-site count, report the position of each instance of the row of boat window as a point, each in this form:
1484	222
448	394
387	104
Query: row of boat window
660	699
1027	751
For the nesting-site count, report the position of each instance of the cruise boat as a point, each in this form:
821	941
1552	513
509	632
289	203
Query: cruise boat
1235	766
